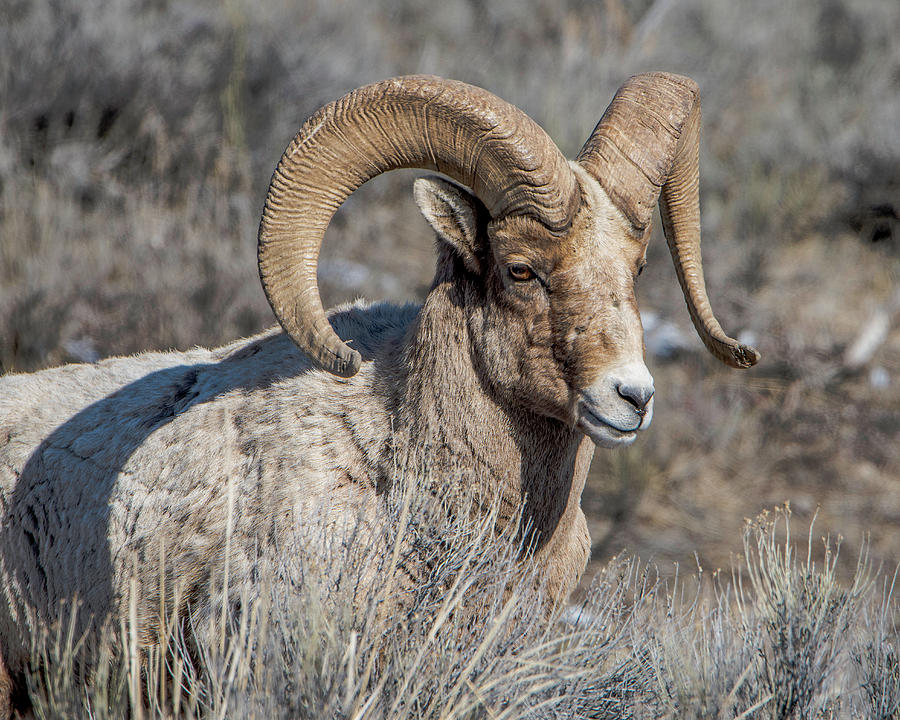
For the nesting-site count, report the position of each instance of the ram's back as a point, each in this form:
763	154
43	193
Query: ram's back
106	468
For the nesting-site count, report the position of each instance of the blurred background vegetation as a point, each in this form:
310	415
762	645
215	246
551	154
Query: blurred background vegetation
137	138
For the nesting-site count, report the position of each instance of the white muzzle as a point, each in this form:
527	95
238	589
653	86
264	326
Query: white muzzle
612	410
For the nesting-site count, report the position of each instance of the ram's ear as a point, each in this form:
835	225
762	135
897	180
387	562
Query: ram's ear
457	216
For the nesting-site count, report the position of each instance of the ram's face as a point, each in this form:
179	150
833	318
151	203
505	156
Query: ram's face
555	328
563	335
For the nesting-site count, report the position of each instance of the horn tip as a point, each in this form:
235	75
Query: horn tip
743	356
346	363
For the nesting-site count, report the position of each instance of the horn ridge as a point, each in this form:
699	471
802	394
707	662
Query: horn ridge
645	148
417	121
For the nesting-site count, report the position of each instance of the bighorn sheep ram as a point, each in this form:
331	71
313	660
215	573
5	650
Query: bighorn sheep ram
525	354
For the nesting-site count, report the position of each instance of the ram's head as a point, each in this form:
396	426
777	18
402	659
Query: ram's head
555	246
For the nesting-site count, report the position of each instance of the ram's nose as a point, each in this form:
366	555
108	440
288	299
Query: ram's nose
617	405
638	394
634	385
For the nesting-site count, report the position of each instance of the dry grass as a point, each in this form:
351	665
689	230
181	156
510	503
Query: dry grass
472	641
349	635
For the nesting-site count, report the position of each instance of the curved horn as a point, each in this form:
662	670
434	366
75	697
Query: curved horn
421	121
647	146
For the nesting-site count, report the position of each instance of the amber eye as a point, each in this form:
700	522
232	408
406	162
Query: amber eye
520	272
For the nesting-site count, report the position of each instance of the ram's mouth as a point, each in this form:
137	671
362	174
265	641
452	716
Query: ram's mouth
603	432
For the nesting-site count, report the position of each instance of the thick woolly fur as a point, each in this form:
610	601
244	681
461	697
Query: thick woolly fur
187	458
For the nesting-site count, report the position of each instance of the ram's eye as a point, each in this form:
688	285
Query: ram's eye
520	272
641	268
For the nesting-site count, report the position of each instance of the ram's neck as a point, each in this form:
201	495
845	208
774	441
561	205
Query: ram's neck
456	425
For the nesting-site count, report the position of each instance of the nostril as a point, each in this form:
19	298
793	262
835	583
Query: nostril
637	395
